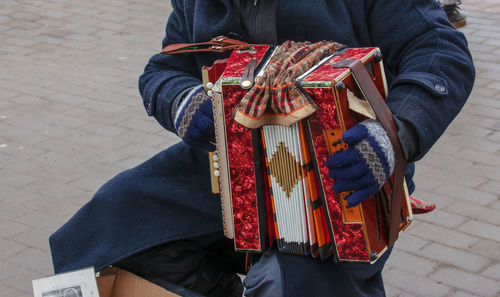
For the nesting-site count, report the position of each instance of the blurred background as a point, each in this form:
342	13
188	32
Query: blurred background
71	118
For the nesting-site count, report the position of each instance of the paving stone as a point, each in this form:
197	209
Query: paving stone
464	193
495	136
8	269
23	280
443	218
68	99
482	229
8	228
410	243
467	282
97	141
482	158
130	162
486	92
42	221
11	292
459	258
493	271
495	205
10	248
34	238
477	212
418	285
58	205
446	161
33	259
10	210
491	186
410	263
463	294
443	235
145	124
472	143
486	248
27	135
442	176
14	179
391	291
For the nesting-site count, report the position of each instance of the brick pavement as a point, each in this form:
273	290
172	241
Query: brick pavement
71	118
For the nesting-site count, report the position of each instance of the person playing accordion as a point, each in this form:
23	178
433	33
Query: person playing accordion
160	220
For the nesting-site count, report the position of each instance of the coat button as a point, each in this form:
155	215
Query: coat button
440	88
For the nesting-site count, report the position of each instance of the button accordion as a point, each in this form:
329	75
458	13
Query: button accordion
270	167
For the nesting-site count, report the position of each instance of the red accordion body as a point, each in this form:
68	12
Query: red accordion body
249	180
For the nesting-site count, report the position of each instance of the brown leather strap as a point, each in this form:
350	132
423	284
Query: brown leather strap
217	44
386	119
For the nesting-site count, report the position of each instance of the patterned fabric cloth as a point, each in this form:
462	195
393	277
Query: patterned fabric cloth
274	97
365	165
194	120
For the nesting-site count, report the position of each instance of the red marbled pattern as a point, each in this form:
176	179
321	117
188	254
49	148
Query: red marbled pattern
328	73
238	61
349	238
242	174
240	157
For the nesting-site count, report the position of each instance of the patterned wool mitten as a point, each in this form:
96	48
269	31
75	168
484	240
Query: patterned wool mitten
365	165
194	120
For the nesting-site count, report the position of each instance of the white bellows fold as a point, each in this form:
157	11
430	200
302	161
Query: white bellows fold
289	188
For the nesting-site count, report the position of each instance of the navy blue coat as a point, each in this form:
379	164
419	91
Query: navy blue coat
428	67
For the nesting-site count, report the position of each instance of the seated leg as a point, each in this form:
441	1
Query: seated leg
289	276
204	264
166	198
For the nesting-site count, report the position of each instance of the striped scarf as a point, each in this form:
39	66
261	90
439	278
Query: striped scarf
275	98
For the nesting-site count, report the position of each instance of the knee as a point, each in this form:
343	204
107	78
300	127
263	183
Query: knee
119	188
265	278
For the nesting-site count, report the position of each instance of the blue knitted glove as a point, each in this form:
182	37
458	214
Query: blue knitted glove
194	120
365	165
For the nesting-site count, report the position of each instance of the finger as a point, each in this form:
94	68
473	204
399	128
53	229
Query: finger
355	134
353	185
358	196
206	127
199	141
203	122
207	109
195	135
344	158
352	172
208	146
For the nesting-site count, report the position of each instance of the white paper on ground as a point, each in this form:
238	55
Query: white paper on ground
78	283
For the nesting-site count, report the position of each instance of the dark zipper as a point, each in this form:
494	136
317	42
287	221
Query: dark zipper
254	18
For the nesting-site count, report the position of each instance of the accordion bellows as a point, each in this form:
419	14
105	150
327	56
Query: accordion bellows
274	184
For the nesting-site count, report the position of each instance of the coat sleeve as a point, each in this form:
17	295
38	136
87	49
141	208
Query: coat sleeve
165	77
429	60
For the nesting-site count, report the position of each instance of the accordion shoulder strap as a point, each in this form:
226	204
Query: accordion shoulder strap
217	44
386	119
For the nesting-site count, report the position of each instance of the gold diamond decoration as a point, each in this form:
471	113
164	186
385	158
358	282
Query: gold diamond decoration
285	169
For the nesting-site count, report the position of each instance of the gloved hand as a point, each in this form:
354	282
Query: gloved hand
194	120
365	165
